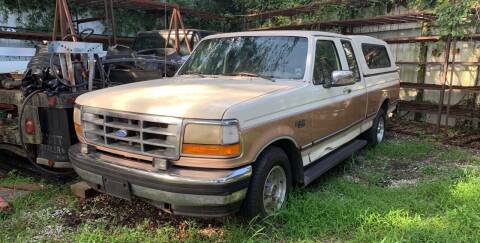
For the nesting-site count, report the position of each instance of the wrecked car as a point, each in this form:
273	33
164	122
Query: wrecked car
150	56
36	107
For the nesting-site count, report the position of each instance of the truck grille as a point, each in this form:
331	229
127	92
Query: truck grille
141	134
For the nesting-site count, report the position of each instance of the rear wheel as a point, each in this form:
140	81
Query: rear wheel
376	133
270	184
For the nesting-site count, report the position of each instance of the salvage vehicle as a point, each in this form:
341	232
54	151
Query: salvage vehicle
249	116
36	107
150	56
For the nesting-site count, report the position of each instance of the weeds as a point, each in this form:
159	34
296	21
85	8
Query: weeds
402	190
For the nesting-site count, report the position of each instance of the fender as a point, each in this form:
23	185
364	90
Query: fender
293	153
385	96
275	140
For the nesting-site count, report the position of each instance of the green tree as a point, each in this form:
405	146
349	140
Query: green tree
456	18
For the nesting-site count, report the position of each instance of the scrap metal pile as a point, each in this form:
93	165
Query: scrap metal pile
36	108
125	65
64	66
43	73
121	65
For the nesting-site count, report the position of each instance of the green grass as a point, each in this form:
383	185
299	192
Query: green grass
13	177
400	191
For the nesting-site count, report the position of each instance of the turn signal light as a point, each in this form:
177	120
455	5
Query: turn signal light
79	132
211	150
29	127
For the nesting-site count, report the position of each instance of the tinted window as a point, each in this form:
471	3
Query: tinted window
326	61
351	60
279	57
376	56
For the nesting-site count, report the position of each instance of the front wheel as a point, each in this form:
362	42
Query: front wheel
376	133
270	184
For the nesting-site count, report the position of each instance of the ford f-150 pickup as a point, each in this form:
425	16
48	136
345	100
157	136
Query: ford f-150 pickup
249	116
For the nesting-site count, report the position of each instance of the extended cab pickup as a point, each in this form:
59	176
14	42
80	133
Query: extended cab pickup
246	118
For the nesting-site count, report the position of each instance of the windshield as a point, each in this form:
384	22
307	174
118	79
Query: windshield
144	42
278	57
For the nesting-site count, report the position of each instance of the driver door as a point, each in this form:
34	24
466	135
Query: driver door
330	115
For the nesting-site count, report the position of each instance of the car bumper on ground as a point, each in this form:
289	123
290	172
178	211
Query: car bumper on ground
183	191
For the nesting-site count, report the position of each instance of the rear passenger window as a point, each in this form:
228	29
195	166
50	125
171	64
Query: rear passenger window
352	61
326	61
376	56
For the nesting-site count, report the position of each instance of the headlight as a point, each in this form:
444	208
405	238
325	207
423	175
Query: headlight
205	139
77	117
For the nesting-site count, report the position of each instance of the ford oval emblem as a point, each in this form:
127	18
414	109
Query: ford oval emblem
121	133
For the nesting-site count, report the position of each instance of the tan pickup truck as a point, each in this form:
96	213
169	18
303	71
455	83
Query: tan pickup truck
249	116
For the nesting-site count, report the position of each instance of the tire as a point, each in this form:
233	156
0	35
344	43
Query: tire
376	133
271	163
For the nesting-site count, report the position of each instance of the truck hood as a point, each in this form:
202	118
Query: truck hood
185	97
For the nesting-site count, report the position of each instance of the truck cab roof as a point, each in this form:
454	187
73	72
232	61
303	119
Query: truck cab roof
202	33
300	33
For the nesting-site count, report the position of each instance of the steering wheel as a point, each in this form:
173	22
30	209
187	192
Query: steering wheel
71	37
86	33
81	36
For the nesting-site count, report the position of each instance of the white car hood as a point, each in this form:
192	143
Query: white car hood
184	97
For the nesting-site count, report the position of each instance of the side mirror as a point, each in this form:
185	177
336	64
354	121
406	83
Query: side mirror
340	78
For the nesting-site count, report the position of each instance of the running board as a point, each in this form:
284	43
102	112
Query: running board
330	160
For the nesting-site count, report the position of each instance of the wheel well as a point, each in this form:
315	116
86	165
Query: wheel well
385	104
294	157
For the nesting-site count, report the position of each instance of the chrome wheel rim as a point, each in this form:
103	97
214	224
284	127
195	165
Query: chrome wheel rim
275	189
380	129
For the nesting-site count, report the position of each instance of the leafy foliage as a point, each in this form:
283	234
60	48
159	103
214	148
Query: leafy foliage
36	14
456	18
128	22
245	6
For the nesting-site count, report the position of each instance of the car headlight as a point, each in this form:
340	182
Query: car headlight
77	117
220	139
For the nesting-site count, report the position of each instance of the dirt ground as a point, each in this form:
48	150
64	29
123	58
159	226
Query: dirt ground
461	137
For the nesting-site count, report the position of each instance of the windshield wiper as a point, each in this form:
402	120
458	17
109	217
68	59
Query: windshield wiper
247	74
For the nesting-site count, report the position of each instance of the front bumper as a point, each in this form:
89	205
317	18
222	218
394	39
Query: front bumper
196	192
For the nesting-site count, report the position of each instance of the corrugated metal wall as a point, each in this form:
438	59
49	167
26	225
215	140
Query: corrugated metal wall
465	51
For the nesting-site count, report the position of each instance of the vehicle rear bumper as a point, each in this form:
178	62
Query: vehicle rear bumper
195	192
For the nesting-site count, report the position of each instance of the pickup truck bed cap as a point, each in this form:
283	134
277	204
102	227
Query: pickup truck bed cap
366	39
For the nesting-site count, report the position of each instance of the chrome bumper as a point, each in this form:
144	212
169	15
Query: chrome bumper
184	189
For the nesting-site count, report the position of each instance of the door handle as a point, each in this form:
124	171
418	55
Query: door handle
347	90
